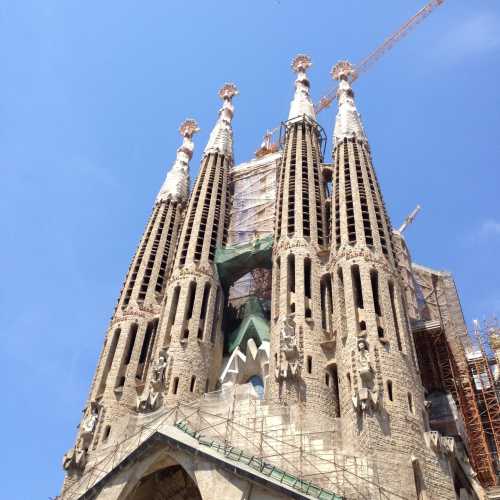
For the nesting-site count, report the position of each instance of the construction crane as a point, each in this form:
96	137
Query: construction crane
372	58
409	219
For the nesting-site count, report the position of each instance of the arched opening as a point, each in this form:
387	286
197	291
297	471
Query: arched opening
168	482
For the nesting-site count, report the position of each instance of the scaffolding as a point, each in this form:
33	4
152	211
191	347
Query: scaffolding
253	185
449	361
274	440
480	364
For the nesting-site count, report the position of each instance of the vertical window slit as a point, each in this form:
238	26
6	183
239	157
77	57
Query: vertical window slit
132	337
389	390
358	290
175	385
307	277
375	292
394	315
109	359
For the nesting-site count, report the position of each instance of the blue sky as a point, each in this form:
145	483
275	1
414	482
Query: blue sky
91	97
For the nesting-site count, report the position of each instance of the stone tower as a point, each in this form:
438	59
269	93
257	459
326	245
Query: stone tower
121	371
318	393
299	370
190	324
381	394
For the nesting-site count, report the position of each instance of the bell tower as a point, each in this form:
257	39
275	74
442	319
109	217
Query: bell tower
300	369
128	346
190	325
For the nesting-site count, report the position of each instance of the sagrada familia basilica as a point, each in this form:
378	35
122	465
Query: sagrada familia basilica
273	338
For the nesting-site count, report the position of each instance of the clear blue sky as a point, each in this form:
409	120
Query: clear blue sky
91	96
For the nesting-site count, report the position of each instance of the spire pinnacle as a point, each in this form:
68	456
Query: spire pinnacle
221	137
301	103
176	185
348	122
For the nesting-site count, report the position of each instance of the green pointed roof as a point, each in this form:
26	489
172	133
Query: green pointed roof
253	326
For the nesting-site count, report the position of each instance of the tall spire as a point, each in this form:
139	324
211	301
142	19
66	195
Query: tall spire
348	123
176	185
221	137
301	103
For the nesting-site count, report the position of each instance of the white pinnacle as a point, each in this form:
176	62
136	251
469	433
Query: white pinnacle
301	103
348	123
176	185
221	137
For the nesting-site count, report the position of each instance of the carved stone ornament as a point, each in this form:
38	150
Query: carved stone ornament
288	362
176	185
151	400
341	69
88	425
301	62
301	104
221	137
366	396
74	460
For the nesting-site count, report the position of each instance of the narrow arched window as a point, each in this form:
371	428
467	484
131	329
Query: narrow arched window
307	278
394	315
291	273
131	342
358	290
277	288
109	359
375	292
389	390
190	301
175	385
309	364
410	402
192	384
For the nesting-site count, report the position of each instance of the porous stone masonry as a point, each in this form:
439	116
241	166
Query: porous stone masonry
129	343
316	392
190	324
301	367
381	394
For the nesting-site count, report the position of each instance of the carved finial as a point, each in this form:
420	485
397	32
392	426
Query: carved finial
176	185
228	91
221	137
301	104
301	62
343	69
348	123
188	128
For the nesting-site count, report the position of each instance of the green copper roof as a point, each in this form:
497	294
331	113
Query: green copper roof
235	261
253	326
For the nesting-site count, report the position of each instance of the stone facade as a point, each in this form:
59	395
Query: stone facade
121	373
381	394
300	332
173	413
